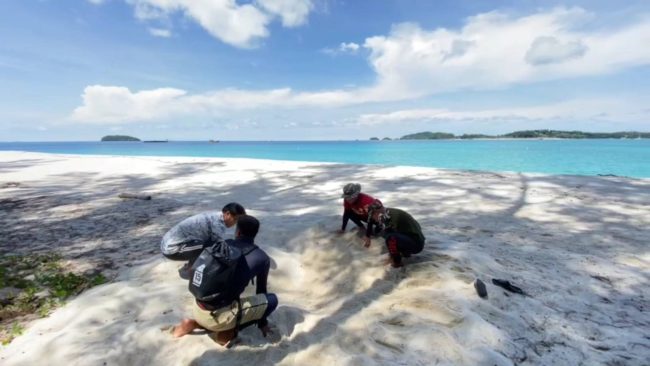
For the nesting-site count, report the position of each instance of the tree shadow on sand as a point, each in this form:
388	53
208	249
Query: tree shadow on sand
540	232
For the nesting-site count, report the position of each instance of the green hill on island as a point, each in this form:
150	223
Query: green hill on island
119	138
531	134
576	134
428	136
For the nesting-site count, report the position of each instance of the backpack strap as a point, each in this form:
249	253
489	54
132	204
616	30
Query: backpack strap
238	316
248	250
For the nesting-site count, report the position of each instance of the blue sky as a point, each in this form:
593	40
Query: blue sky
319	69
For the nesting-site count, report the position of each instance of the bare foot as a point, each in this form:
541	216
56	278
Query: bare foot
186	326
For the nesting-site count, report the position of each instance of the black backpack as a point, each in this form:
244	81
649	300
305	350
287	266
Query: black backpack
212	272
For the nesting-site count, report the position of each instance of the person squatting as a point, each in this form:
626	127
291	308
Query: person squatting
218	269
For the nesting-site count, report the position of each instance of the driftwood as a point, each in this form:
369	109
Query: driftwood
145	197
10	185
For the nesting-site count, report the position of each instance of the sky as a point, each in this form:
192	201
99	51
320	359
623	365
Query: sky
76	70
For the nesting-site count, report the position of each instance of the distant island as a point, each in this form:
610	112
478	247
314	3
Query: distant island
119	138
428	136
531	134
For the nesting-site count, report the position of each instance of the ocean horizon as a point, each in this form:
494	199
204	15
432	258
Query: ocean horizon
591	157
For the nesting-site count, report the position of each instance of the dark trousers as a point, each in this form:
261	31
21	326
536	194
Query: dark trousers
401	245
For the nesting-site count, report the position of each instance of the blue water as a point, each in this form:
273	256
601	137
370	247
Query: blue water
582	157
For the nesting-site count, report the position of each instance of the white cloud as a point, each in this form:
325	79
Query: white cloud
113	104
583	110
239	25
292	12
159	32
343	48
116	105
495	50
349	47
104	104
547	50
492	50
96	2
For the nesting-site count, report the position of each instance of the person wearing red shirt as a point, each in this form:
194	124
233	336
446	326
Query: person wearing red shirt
355	208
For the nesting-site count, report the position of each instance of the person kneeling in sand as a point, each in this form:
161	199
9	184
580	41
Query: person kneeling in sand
402	233
227	313
187	239
355	208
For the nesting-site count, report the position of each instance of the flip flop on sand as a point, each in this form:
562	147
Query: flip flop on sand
480	288
509	286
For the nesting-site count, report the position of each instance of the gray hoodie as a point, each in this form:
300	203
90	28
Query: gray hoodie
194	233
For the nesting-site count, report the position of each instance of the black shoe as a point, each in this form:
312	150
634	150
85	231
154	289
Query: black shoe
481	290
184	271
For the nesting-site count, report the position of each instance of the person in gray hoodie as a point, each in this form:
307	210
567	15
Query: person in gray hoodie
187	239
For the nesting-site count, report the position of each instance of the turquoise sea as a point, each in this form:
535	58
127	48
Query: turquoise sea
629	158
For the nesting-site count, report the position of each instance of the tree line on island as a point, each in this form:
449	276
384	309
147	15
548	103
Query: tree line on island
528	134
119	138
113	138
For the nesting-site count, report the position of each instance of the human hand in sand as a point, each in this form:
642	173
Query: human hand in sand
366	242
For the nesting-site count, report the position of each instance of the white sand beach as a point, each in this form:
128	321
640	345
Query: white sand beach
578	245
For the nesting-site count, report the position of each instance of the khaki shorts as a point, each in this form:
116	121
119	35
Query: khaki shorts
225	318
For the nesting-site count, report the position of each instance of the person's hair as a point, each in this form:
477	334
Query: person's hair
248	226
234	208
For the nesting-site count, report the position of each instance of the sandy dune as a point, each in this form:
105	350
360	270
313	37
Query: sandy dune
577	245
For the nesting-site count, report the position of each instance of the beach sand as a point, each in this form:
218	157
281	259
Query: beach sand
577	245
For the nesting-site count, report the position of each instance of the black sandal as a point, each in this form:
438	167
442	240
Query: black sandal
509	286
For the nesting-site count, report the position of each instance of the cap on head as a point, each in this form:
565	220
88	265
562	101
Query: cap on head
351	190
